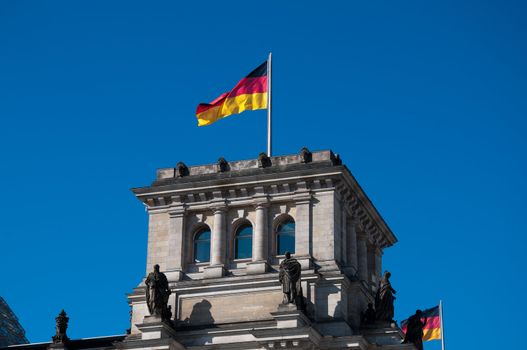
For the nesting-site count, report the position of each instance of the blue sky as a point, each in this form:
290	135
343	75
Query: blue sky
424	101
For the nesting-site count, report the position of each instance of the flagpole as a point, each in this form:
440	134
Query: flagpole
442	327
269	99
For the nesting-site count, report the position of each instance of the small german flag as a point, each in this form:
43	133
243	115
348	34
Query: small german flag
432	328
249	94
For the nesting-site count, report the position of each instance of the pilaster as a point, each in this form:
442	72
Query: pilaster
362	255
303	227
176	251
353	261
378	262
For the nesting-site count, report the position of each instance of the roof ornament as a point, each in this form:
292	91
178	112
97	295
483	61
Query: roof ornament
222	165
335	158
61	326
263	160
181	170
305	155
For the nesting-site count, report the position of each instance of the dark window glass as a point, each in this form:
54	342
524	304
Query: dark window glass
243	242
285	238
202	246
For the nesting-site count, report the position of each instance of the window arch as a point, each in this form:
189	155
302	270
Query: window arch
202	246
243	242
285	237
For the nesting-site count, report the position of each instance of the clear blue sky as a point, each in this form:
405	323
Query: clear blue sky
424	100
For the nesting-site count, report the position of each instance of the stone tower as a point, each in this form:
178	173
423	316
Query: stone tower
219	233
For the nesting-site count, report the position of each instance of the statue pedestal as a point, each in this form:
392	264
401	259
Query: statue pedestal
384	334
288	316
153	327
58	346
155	334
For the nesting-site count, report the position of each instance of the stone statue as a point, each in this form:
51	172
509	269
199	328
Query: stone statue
414	330
157	293
384	299
61	325
289	277
368	316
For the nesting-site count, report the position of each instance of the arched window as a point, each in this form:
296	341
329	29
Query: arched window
202	246
285	237
243	242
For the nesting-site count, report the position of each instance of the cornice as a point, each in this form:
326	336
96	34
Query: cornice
288	183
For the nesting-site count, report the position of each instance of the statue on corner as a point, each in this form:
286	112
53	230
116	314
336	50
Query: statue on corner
384	300
414	330
157	293
368	316
289	277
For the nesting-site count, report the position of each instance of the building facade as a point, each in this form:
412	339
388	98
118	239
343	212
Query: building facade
219	233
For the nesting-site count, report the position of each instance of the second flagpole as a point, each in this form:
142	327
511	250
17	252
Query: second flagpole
269	100
442	326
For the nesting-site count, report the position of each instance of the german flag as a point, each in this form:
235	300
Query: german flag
432	328
248	95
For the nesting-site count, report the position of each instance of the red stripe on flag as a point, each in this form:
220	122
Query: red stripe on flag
249	86
432	322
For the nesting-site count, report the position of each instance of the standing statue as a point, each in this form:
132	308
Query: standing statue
414	330
368	316
61	325
289	277
157	293
384	299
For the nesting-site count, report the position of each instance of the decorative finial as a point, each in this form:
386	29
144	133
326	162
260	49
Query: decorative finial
337	160
305	155
263	160
223	165
181	170
61	325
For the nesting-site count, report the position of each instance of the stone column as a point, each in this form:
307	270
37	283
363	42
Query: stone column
260	237
260	233
344	259
362	255
176	250
218	236
217	247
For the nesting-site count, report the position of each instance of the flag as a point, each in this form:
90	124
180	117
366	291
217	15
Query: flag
249	94
432	328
